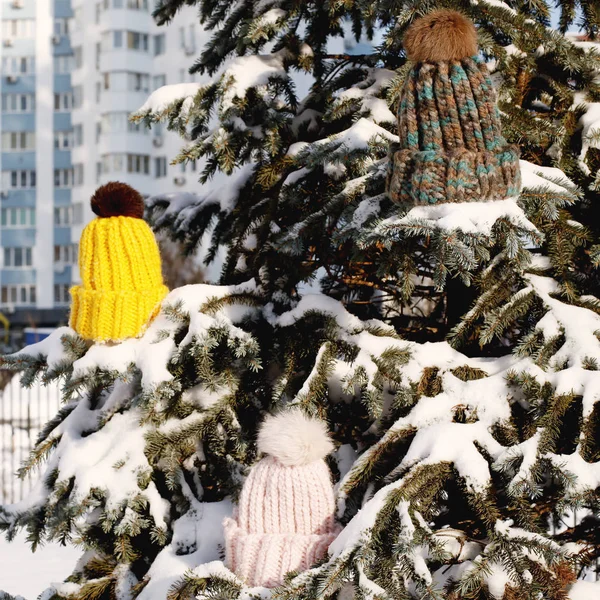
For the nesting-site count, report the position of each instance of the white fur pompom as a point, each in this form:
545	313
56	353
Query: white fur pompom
294	439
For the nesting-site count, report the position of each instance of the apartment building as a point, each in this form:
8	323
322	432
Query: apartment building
72	72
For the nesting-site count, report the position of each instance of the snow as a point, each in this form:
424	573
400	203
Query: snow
587	475
245	72
455	443
222	191
553	179
197	541
585	590
590	123
50	347
29	573
367	93
152	352
110	460
360	135
160	100
468	217
497	581
496	3
112	457
272	16
478	218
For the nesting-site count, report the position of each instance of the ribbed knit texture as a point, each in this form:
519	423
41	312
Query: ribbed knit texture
284	521
451	147
122	284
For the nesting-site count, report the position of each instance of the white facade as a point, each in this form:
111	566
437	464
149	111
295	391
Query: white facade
72	73
121	56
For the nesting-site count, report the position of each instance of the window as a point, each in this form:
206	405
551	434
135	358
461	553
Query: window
17	103
138	82
17	258
63	101
61	293
77	138
65	216
125	81
118	39
112	163
77	18
66	255
17	217
159	44
15	141
98	52
114	122
133	127
118	122
64	64
63	178
182	37
98	91
137	41
77	96
18	294
191	47
18	65
63	140
107	40
160	167
137	4
158	81
78	174
78	57
18	180
62	26
18	28
138	163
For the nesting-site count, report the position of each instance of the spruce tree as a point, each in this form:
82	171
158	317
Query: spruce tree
453	351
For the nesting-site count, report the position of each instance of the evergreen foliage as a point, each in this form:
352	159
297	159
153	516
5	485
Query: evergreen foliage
453	350
307	173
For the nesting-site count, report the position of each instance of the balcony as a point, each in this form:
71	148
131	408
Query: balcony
126	60
126	19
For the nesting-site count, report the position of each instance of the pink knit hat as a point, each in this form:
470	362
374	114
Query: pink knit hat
285	518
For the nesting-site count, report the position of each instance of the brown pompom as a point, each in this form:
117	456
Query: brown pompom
117	199
441	35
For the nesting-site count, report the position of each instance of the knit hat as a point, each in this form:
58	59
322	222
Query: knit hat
451	147
285	518
120	269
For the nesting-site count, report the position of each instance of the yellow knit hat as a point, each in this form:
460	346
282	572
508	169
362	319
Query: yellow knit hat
120	268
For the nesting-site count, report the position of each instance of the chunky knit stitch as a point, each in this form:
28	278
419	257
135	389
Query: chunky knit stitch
284	521
451	147
122	286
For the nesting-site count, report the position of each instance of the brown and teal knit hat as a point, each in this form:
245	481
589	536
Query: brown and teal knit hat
451	147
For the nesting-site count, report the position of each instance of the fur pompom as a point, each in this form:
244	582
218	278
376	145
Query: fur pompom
117	199
441	35
294	438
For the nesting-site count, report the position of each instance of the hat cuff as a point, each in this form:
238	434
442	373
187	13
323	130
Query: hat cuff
263	559
424	177
109	315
